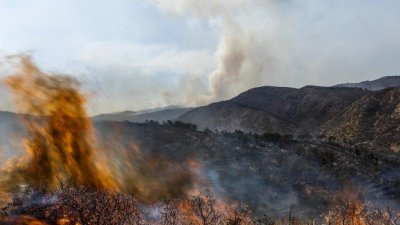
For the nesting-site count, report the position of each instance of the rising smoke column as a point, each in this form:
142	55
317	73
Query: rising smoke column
60	141
231	56
243	57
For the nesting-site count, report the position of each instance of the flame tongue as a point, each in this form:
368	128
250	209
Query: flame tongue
60	145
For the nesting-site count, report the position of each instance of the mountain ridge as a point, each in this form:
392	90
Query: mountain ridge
375	85
286	109
157	114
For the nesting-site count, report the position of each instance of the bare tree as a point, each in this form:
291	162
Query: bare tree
356	213
203	209
170	213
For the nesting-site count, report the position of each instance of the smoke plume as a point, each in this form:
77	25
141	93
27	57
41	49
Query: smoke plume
241	63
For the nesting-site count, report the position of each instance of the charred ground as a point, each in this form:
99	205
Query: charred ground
270	172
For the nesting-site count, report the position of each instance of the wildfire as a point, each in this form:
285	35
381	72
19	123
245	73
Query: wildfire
22	220
61	147
60	143
206	209
149	178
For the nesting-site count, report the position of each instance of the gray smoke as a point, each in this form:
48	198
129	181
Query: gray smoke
240	64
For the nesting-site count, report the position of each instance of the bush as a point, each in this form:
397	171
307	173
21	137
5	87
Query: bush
80	205
76	205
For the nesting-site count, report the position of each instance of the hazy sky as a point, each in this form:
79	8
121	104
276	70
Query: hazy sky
132	54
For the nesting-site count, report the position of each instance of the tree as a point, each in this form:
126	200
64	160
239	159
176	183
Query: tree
203	209
170	213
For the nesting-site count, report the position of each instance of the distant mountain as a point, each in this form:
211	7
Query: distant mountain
144	111
113	116
375	85
157	114
372	120
275	109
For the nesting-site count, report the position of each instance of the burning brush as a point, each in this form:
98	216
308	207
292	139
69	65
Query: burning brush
60	145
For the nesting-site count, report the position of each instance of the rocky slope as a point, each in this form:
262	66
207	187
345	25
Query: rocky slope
275	109
372	120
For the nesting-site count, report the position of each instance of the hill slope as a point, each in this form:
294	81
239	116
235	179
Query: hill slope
275	109
267	175
373	119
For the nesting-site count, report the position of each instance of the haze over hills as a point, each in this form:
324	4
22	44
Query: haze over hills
157	114
375	85
267	109
343	114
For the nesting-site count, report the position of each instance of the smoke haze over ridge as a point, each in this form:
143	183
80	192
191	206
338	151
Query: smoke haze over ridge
163	52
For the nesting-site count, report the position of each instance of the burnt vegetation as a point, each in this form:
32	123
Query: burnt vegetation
261	173
304	171
72	205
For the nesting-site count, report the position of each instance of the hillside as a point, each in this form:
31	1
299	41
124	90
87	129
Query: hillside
375	85
372	120
275	109
269	174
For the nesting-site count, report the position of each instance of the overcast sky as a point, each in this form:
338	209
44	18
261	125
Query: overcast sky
132	54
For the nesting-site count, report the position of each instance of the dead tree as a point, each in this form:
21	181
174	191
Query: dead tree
204	209
169	213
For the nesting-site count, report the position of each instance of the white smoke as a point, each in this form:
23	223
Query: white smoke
201	8
242	61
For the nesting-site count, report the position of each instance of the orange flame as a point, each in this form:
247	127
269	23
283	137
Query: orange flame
22	220
60	146
206	209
